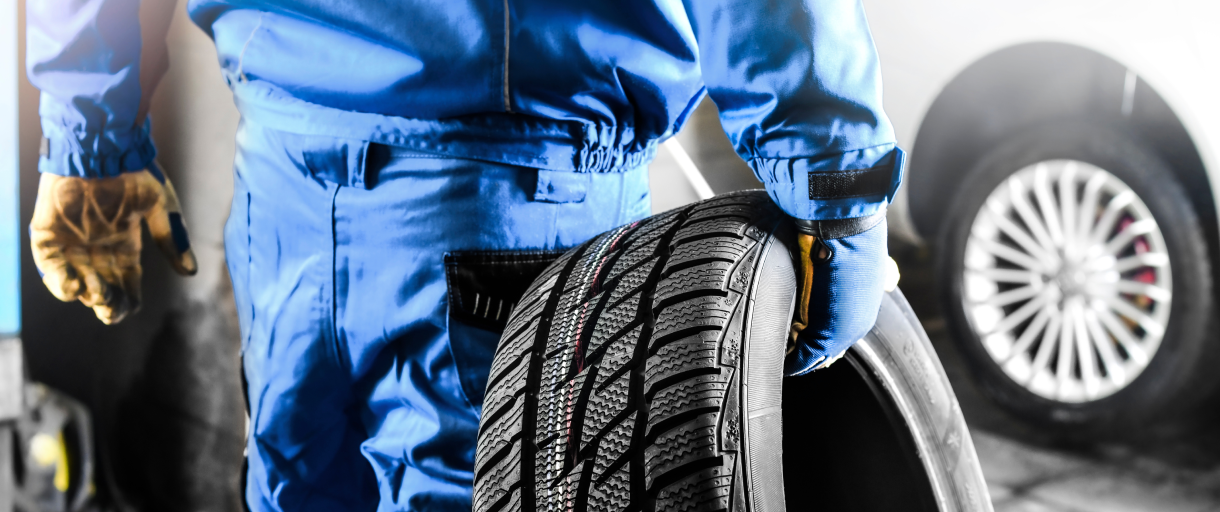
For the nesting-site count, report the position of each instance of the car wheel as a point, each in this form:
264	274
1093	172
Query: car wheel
1075	278
643	371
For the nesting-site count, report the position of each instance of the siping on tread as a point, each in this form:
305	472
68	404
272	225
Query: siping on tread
611	389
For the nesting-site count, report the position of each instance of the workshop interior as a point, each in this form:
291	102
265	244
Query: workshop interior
652	255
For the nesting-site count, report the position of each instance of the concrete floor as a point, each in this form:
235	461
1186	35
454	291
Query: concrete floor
1026	478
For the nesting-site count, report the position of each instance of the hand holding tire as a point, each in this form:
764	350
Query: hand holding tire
85	236
844	272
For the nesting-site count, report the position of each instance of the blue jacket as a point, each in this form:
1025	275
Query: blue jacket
588	86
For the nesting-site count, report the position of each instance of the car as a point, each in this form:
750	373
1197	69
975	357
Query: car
1063	162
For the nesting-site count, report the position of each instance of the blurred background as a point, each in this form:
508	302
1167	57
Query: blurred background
1072	106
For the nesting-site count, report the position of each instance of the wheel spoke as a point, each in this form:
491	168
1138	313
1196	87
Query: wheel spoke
1088	206
1115	370
1147	259
1009	254
1031	333
1046	203
1084	351
1020	203
1129	233
1101	230
1067	208
1149	290
1022	313
1049	341
1007	275
1063	368
1014	295
1133	313
1116	328
1047	259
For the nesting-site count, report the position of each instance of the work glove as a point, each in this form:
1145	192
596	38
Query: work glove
85	236
844	269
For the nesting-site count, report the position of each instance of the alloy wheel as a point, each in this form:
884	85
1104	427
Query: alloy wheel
1066	281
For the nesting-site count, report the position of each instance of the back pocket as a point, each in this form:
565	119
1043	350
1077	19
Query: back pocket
484	287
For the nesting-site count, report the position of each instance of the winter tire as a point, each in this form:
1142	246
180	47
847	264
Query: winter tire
642	371
1076	280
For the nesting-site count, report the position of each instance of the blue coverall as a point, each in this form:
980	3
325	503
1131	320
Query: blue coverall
378	136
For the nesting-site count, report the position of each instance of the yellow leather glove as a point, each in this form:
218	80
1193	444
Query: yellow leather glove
85	236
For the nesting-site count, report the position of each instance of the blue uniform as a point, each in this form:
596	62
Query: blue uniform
501	125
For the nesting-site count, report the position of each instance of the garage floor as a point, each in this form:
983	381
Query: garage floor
1029	474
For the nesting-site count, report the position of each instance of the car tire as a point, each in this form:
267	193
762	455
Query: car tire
643	371
1155	387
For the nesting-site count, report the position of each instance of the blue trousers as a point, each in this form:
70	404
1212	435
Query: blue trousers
363	391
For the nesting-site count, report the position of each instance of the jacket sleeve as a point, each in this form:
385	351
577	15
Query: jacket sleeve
798	86
96	81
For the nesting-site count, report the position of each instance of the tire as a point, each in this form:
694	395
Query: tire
642	371
1149	394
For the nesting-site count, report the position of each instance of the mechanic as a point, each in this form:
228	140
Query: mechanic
376	137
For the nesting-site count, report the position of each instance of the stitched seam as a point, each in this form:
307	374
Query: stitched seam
461	384
334	289
249	264
453	292
507	105
241	59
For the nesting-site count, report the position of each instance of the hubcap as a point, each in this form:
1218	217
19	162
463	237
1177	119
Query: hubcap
1067	281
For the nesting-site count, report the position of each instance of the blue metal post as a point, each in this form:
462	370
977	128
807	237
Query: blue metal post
10	213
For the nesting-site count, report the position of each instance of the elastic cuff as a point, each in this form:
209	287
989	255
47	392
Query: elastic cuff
69	157
844	186
839	228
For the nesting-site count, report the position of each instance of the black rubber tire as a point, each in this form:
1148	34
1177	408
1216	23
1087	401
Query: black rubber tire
1180	378
643	372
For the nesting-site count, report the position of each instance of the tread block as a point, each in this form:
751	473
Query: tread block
613	494
697	314
506	471
633	257
692	358
711	276
728	227
704	491
677	449
503	418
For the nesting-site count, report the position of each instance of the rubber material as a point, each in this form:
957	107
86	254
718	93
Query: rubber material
642	371
897	360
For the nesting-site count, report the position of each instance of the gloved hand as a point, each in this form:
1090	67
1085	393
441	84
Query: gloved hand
85	236
844	271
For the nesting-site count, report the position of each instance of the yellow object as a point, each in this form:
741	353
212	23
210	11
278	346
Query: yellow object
805	242
85	236
61	465
46	451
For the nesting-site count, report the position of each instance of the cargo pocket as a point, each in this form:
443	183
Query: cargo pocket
484	287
